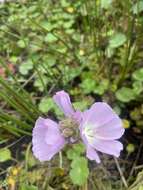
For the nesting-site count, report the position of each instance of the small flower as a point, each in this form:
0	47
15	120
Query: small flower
11	182
15	171
100	127
70	10
81	52
50	137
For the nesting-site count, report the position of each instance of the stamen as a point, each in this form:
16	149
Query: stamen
89	133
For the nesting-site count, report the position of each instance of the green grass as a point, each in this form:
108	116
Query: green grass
92	49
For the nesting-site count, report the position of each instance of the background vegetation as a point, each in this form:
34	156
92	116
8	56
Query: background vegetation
93	50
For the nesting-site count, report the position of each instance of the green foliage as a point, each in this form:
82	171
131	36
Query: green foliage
138	7
90	49
136	115
106	3
26	67
50	38
89	85
117	40
125	94
79	166
138	75
79	172
5	154
28	187
82	105
76	151
137	87
138	183
47	104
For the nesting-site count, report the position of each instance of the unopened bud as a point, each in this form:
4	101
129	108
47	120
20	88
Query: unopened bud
69	128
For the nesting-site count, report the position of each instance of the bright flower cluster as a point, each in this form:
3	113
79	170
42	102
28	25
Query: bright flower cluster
99	128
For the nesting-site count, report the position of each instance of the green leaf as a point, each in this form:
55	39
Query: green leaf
88	85
137	87
125	94
138	75
61	48
79	172
26	67
47	25
82	105
21	43
13	59
46	104
49	61
101	87
138	7
50	38
5	154
39	84
79	148
106	4
71	73
64	3
68	24
72	154
117	40
28	187
76	151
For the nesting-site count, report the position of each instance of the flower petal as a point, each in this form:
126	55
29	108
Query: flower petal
107	124
92	154
112	147
44	149
90	151
62	99
99	114
77	116
111	130
52	135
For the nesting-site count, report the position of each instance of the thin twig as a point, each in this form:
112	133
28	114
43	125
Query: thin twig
60	160
121	173
135	162
15	142
138	167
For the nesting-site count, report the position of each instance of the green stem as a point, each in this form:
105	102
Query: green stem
85	186
60	160
126	63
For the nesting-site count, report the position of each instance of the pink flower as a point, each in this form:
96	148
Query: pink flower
100	127
50	137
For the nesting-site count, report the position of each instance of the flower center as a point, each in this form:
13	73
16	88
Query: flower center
69	128
89	133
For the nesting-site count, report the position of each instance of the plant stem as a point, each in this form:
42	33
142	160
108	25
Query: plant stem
121	173
126	63
60	160
85	186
